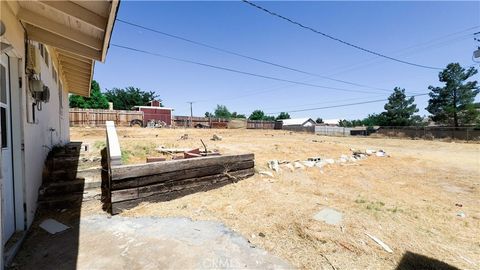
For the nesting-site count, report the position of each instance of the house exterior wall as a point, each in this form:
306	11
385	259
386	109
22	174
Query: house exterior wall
35	136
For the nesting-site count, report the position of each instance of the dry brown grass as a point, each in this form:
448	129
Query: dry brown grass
407	200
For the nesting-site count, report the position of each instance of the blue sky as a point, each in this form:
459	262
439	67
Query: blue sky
427	33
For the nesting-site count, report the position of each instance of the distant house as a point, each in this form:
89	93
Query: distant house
155	111
299	122
331	122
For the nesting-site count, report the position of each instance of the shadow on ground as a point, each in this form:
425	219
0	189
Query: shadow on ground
413	261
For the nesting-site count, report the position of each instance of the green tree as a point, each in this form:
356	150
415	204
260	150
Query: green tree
222	112
400	110
209	114
126	98
454	104
237	115
283	115
97	99
319	120
257	115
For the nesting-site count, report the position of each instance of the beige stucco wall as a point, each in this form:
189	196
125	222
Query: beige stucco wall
50	127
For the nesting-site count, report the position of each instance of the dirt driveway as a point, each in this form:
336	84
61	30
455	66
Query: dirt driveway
423	201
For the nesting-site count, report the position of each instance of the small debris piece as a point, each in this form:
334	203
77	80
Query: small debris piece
308	163
298	165
320	164
316	159
329	161
155	159
380	153
178	157
370	151
266	173
192	153
261	234
184	137
290	167
215	137
381	243
274	165
459	205
172	150
52	226
329	216
461	214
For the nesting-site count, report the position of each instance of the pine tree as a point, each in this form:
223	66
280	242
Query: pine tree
399	111
454	104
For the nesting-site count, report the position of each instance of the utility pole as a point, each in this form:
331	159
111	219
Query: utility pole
191	113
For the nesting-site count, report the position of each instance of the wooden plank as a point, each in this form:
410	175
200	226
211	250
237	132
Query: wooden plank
181	174
60	42
138	170
71	9
38	20
164	188
118	207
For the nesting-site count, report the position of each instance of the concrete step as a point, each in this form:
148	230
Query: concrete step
66	201
65	187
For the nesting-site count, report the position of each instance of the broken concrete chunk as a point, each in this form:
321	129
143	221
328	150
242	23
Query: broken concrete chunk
316	159
308	163
266	173
329	161
216	137
298	165
370	151
329	216
320	164
52	226
274	165
290	167
380	153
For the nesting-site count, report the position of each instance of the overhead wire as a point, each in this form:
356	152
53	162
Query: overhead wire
237	71
246	56
343	105
338	39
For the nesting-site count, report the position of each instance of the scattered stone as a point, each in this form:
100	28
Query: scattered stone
329	216
308	163
381	243
298	165
261	234
266	173
52	226
184	137
459	205
370	151
95	159
290	167
329	161
216	137
380	153
274	165
461	214
316	159
320	164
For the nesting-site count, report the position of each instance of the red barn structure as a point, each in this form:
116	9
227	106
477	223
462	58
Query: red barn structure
154	111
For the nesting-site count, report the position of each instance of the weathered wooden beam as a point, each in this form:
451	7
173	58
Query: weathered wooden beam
77	75
75	70
180	175
47	24
49	38
138	170
117	207
75	57
71	9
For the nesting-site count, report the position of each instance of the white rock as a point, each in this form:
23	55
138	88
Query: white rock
329	160
298	165
266	173
273	165
309	164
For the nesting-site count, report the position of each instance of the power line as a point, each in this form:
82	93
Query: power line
342	105
238	71
248	57
337	39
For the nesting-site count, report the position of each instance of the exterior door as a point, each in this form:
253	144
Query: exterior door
8	206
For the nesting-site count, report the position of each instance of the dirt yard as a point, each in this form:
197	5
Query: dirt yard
422	199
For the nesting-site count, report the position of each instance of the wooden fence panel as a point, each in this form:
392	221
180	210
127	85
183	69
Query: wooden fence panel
260	124
98	117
